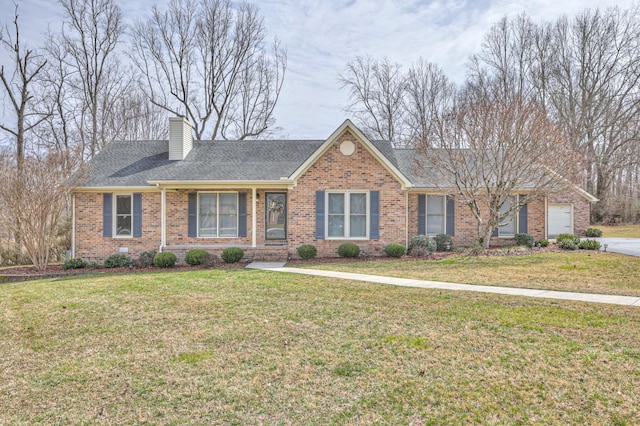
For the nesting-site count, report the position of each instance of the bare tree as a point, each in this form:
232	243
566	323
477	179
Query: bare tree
207	61
35	197
90	38
376	91
491	148
18	84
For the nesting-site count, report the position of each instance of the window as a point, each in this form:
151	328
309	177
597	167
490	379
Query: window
217	214
123	215
347	214
435	214
508	227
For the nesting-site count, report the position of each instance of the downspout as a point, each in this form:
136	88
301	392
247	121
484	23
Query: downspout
73	226
406	219
254	219
163	219
546	218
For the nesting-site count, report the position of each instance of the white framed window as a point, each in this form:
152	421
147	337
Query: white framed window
509	226
123	215
435	214
347	214
218	214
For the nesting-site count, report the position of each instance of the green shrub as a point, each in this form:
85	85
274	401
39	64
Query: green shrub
568	244
422	245
166	259
568	237
443	242
593	232
75	264
195	257
307	251
524	240
589	245
232	254
395	250
118	261
542	243
145	259
348	250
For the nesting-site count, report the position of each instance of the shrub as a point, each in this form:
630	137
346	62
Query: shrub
195	257
568	244
166	259
443	242
567	237
593	232
75	264
210	261
542	243
395	250
232	254
118	261
589	245
348	250
422	245
307	251
145	259
525	240
476	249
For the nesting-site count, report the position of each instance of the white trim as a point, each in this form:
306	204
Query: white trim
347	213
254	219
224	184
73	226
217	214
114	218
400	177
121	189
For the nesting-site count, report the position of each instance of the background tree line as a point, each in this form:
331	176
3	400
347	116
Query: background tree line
577	76
95	80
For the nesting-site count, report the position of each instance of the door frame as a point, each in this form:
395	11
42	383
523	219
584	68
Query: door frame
266	215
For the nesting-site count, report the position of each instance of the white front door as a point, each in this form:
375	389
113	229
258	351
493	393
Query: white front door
560	219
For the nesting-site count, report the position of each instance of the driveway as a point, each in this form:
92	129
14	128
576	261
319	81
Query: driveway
629	246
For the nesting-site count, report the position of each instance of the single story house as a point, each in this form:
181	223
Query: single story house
272	196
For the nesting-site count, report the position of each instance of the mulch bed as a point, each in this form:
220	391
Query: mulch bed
29	272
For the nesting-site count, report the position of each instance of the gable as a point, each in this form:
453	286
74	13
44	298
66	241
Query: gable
345	139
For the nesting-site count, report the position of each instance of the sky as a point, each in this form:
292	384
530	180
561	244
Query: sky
322	36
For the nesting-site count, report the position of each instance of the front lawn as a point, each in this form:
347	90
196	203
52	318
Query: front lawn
620	231
255	347
590	272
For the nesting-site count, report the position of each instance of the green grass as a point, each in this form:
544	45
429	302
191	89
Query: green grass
580	271
253	347
621	231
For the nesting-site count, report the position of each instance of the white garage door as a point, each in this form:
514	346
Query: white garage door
560	219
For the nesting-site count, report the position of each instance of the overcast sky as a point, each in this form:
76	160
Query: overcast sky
321	36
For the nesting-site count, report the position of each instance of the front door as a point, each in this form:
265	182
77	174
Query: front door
276	216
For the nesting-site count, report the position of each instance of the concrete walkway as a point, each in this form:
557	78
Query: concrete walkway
405	282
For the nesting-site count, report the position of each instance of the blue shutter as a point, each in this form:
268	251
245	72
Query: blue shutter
193	215
422	214
374	219
495	232
137	215
107	215
451	216
242	214
523	225
320	215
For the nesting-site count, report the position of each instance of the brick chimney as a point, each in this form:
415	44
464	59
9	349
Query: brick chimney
180	138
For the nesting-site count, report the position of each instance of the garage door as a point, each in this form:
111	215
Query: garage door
560	219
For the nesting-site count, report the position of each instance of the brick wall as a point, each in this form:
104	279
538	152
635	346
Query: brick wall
466	225
333	170
93	247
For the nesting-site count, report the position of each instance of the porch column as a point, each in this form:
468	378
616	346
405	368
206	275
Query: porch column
254	219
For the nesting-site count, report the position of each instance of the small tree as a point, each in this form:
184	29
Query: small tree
34	197
489	146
